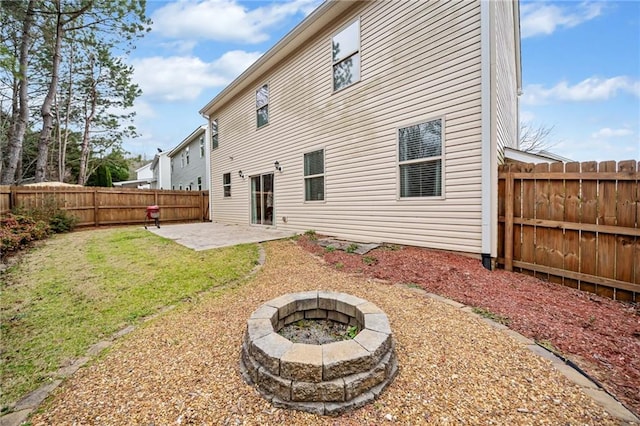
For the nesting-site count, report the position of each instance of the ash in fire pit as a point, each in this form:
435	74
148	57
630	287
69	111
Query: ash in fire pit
318	332
323	378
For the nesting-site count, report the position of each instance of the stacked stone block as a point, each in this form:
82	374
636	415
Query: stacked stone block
324	379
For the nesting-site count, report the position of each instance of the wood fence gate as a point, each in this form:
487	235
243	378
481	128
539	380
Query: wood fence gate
576	223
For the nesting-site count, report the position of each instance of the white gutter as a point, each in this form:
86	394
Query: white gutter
486	152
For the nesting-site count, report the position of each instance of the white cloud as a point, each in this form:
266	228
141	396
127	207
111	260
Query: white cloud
590	89
183	78
527	116
610	133
541	18
225	20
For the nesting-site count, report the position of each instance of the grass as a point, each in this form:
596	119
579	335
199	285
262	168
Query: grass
80	288
492	316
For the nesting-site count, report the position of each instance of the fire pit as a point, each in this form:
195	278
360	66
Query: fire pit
326	379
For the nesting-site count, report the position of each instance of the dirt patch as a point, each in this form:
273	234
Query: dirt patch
600	335
317	332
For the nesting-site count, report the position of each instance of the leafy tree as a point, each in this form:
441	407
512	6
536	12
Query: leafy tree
18	73
71	51
102	177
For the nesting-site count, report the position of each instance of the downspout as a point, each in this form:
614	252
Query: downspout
488	209
207	162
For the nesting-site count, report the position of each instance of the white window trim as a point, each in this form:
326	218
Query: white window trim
226	185
217	133
441	157
359	52
268	104
324	174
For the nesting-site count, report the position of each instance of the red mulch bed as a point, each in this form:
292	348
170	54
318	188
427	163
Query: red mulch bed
600	335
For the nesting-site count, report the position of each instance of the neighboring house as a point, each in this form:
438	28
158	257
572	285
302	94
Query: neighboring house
144	175
534	157
375	121
160	166
190	162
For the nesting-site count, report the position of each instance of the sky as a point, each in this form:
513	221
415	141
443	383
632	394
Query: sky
580	68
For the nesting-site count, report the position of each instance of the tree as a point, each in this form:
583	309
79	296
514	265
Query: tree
42	36
535	138
20	105
102	177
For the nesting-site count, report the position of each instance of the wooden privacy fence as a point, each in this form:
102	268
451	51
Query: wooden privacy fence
576	223
109	206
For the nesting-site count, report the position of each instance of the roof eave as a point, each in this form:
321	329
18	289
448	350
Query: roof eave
186	141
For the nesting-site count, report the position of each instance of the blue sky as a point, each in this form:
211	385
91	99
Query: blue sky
580	60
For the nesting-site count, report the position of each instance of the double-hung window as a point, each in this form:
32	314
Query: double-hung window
182	160
346	56
314	175
202	147
262	105
226	184
187	154
420	159
214	134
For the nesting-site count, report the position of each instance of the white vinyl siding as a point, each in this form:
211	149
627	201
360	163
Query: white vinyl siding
504	78
435	74
191	166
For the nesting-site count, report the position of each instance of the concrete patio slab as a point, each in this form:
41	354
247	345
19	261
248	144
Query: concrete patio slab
210	235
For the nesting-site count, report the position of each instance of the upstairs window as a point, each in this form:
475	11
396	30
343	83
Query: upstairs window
214	134
201	147
187	154
262	105
182	160
226	184
314	176
420	155
346	56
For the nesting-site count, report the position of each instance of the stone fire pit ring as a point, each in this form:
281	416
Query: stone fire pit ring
326	379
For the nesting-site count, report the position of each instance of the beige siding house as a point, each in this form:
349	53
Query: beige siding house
377	121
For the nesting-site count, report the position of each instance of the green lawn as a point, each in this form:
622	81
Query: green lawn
79	288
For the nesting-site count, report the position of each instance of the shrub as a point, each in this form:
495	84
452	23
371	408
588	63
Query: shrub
17	231
50	212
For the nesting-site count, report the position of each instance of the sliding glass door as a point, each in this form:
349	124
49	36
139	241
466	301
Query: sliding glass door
262	199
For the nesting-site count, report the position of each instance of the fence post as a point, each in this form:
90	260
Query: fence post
508	220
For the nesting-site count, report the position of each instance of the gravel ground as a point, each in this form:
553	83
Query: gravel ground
182	368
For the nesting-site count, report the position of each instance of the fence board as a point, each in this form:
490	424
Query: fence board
109	206
528	209
588	254
541	188
555	236
578	224
572	211
606	266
